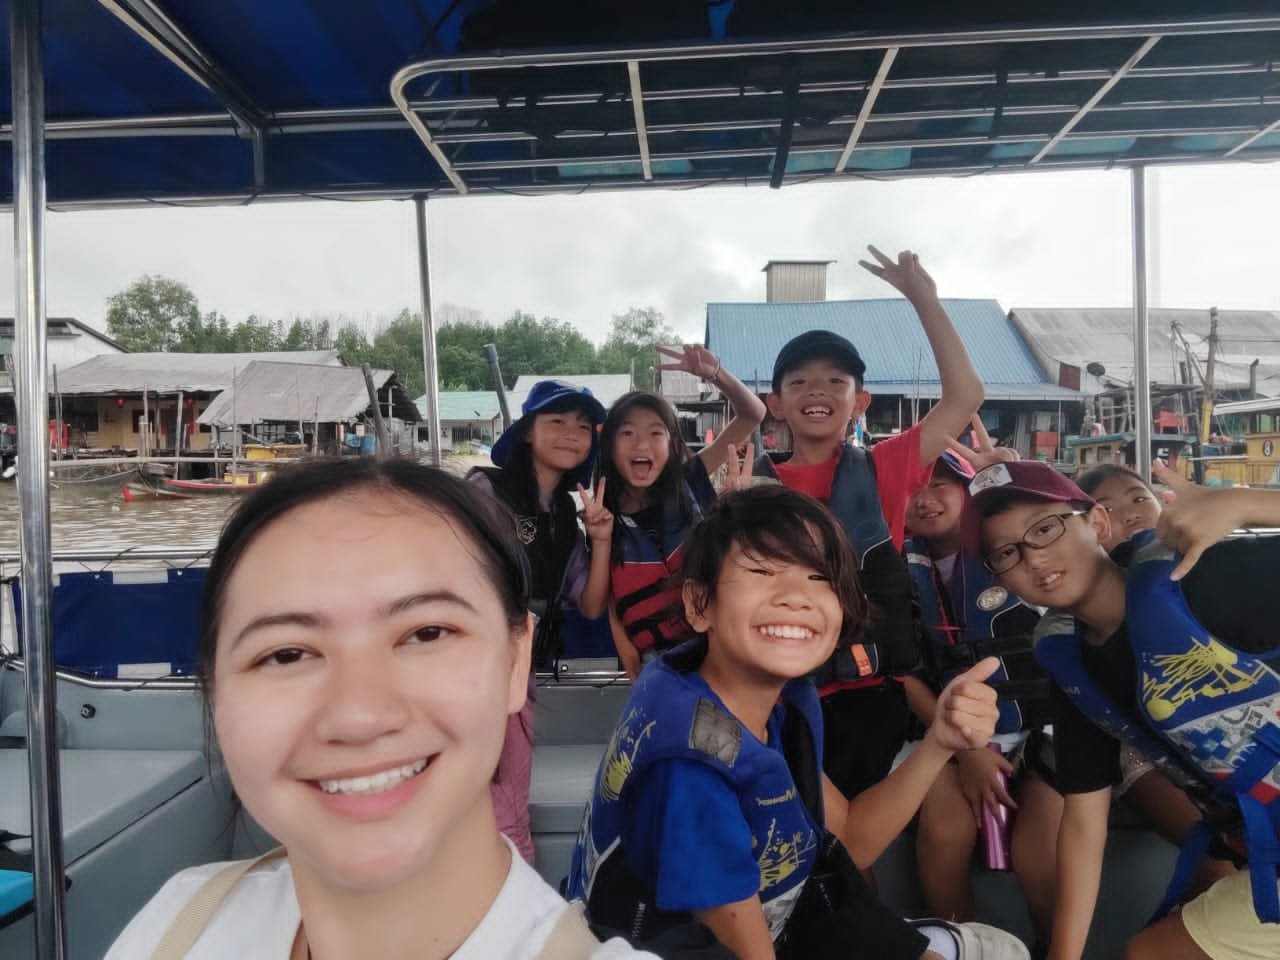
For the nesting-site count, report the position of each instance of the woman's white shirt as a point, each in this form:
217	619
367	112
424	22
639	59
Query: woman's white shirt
259	919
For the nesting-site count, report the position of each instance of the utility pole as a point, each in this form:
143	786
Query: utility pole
1206	405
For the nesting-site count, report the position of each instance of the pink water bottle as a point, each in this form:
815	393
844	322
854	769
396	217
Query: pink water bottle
995	827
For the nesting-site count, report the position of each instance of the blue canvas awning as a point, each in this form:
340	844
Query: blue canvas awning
189	101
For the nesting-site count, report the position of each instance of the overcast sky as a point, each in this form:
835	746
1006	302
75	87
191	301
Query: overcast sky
1025	240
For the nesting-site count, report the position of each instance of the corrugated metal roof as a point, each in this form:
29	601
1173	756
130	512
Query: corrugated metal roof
1260	405
65	327
747	337
605	387
1083	336
171	372
269	391
464	406
994	391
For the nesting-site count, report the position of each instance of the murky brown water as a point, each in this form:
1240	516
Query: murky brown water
96	517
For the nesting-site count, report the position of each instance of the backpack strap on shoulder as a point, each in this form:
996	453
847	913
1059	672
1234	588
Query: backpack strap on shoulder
195	915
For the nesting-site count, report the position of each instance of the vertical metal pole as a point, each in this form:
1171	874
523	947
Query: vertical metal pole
495	374
32	397
430	367
1141	341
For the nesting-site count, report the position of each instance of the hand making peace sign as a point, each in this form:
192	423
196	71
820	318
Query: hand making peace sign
597	520
984	452
907	275
738	472
692	358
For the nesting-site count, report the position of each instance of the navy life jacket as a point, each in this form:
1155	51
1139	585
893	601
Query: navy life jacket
888	646
668	717
646	585
971	617
548	537
1209	713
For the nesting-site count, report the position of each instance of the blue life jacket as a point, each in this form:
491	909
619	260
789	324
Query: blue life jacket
970	617
646	584
1210	714
888	646
668	717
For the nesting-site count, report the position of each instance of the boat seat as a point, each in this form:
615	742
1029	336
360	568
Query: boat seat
125	623
103	792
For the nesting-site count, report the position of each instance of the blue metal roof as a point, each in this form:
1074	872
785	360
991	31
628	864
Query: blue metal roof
747	337
192	100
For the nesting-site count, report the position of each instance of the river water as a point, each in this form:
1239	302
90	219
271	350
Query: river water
95	517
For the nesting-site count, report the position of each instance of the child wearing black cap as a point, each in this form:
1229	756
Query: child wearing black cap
818	391
538	462
1177	654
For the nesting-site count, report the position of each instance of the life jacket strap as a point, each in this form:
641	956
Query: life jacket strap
1262	836
1193	850
1261	833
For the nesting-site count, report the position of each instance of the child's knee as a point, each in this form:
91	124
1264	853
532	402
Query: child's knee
945	817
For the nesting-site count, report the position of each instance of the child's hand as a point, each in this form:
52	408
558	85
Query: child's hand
980	780
966	714
907	275
597	520
984	452
738	472
1197	518
692	358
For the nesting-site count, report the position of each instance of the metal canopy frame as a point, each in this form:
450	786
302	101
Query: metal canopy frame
573	120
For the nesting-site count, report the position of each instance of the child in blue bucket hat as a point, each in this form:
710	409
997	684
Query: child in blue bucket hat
539	462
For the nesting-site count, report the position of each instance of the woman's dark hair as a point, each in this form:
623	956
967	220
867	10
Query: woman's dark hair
1091	481
485	522
776	523
669	487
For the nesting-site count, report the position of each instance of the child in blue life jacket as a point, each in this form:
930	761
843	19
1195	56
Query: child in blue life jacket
658	491
966	617
711	831
538	462
818	391
1178	654
1132	506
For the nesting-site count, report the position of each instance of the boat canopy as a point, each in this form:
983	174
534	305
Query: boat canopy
185	101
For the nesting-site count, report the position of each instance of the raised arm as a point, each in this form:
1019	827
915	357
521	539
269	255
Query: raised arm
748	409
1200	517
599	524
961	389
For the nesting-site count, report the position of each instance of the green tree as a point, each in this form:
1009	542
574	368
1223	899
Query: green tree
149	314
544	347
633	338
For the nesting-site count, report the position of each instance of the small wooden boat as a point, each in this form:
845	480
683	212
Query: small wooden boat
154	483
166	487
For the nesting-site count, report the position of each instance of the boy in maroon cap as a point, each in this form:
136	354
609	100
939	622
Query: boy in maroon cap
966	617
1177	653
818	391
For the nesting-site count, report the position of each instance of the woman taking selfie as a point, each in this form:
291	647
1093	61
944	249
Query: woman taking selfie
365	638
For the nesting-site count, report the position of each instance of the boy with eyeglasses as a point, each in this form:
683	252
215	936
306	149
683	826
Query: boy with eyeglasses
1178	654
